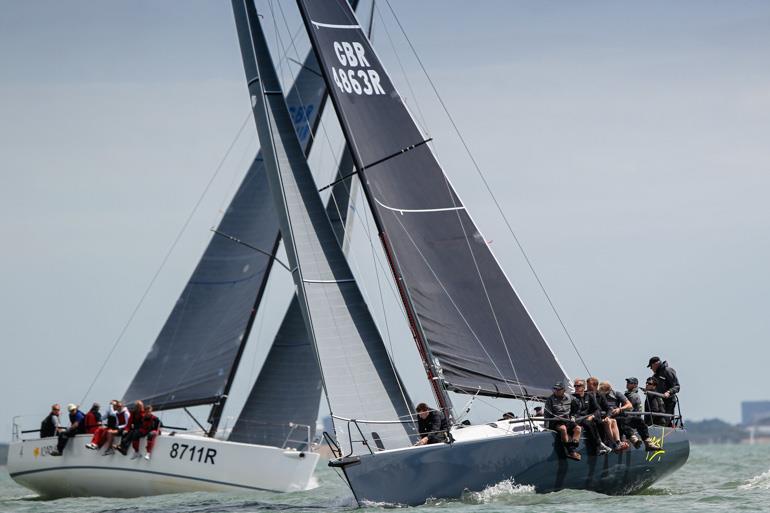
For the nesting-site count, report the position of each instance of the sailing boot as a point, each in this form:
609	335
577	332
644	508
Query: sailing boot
572	451
649	445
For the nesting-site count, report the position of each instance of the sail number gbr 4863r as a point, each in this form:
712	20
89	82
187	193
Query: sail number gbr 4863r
356	75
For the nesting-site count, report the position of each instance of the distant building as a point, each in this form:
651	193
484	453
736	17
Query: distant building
754	412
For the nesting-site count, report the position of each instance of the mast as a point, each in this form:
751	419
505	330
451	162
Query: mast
433	375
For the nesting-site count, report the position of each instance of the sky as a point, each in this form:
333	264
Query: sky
627	144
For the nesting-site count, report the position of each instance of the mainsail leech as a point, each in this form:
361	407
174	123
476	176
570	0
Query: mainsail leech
478	334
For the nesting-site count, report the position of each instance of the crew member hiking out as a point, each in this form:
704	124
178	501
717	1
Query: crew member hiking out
133	429
150	428
77	427
431	424
633	425
613	404
560	410
93	419
589	416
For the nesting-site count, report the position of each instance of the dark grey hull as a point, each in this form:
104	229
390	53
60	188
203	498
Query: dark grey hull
448	470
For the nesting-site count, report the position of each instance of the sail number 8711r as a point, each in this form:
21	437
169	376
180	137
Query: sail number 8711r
193	453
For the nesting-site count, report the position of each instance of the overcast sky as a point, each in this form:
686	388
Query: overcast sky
627	142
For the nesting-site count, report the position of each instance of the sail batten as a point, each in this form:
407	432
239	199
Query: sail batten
477	333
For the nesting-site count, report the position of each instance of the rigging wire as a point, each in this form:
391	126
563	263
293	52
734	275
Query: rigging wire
489	189
166	257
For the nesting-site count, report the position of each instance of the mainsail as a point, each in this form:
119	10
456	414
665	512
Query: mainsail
359	378
477	332
193	360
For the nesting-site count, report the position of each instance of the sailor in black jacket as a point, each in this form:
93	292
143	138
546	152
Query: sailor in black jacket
431	424
589	416
668	383
560	410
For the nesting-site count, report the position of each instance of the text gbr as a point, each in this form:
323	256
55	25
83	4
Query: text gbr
352	80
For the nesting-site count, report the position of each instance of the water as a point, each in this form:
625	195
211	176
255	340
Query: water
716	478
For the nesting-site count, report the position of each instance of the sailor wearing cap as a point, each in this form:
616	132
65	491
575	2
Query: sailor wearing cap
632	394
668	383
560	410
77	427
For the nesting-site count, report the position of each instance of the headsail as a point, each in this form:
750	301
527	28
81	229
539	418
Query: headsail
291	367
193	358
479	335
358	376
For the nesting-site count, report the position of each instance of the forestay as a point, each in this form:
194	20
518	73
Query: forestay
478	332
359	379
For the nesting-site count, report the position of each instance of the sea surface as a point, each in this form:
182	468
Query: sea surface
716	478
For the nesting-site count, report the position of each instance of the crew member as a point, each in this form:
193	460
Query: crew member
589	416
560	410
668	383
51	426
653	403
431	424
133	428
150	428
93	419
633	426
613	404
77	427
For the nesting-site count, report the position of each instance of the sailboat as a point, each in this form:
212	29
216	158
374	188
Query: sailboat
195	357
473	333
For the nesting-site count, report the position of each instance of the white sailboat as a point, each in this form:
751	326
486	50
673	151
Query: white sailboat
473	332
195	357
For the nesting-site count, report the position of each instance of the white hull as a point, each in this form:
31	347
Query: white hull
180	463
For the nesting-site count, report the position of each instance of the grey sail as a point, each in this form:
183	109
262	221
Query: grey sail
291	367
195	355
359	379
476	331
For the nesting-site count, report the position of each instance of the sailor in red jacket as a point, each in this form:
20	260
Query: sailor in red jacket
150	428
132	430
93	419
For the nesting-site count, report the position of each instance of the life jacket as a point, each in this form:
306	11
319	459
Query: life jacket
123	417
48	426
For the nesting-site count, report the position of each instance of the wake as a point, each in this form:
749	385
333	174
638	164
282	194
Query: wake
501	490
760	482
